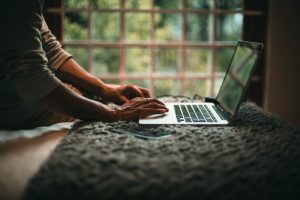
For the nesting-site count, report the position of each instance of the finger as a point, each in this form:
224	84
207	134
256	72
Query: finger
138	101
142	101
133	92
149	111
145	92
155	100
123	100
154	105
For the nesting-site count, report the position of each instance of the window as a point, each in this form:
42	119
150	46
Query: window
168	46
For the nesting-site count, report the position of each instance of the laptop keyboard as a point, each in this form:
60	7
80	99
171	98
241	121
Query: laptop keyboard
221	115
193	113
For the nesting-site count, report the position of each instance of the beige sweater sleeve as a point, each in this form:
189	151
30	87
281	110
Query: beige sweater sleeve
55	54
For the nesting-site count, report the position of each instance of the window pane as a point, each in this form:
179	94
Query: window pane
75	26
76	3
144	4
198	60
138	26
199	4
167	4
140	83
80	55
138	60
106	3
223	57
229	27
165	87
106	26
199	27
167	61
106	61
168	27
195	86
229	5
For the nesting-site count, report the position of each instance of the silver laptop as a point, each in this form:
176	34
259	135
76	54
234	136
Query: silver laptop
221	110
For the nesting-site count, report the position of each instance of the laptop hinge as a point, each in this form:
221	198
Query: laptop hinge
223	112
211	100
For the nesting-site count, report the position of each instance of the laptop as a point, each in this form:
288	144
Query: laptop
222	109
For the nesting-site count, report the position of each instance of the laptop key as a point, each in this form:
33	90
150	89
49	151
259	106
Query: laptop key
205	113
198	113
218	111
192	113
185	114
210	113
178	113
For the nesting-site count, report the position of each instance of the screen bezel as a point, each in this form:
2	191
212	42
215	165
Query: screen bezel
253	46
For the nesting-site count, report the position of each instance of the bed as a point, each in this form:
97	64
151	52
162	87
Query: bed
256	157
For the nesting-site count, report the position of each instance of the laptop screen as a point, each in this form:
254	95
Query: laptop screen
238	75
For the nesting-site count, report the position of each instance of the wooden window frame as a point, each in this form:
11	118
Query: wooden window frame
254	18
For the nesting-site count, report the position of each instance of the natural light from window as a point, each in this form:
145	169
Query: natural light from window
179	47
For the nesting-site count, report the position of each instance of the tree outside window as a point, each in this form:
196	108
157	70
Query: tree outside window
169	46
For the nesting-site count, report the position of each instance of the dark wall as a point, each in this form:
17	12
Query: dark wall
282	90
255	29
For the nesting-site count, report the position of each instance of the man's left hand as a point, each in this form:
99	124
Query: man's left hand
120	94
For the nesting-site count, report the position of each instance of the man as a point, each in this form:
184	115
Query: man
33	67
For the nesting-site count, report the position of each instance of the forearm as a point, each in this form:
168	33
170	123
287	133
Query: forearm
65	101
71	72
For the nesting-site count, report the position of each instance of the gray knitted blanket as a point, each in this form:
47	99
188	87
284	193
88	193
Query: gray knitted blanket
257	157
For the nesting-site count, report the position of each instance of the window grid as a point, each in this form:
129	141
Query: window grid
183	45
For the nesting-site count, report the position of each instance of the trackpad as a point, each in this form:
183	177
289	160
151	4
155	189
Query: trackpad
165	118
156	116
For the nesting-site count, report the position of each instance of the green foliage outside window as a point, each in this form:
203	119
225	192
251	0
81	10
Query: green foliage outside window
105	61
75	27
76	3
106	26
167	27
138	26
138	4
138	60
105	3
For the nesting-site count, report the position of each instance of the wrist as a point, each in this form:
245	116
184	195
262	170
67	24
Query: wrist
114	114
101	89
106	113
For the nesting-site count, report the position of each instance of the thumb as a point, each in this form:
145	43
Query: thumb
123	99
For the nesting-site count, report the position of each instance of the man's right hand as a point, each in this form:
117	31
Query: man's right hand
139	108
65	101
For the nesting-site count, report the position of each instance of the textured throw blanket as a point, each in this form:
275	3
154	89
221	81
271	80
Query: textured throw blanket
257	157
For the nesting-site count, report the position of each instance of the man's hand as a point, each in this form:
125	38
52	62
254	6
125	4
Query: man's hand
139	108
65	101
71	72
120	94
